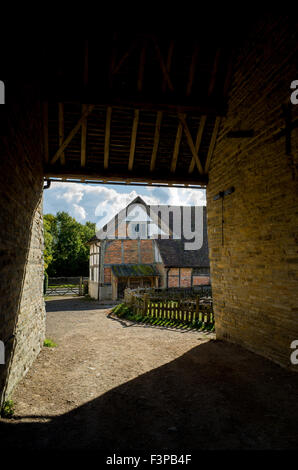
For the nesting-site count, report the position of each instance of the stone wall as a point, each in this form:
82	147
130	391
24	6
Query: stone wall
22	311
254	272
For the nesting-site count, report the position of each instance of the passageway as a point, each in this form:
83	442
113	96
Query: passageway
113	385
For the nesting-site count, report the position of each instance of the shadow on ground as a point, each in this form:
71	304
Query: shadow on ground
75	304
216	396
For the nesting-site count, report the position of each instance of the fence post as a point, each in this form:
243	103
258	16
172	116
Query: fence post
145	298
81	285
197	306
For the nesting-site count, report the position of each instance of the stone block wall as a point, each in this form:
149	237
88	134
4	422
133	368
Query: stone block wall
254	272
22	311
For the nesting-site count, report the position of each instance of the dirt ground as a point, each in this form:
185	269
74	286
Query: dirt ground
110	384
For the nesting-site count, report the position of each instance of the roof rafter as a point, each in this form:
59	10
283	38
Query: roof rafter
177	146
190	142
212	144
133	139
198	142
156	140
61	129
72	134
107	137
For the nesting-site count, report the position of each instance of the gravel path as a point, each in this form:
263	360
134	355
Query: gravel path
110	384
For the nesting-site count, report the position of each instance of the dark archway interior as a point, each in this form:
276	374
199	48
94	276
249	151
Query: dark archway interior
162	108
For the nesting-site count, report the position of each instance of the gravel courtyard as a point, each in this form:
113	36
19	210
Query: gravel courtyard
110	384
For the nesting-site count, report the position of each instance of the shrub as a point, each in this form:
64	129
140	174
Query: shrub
7	410
48	343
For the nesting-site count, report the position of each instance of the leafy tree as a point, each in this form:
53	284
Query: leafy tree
68	248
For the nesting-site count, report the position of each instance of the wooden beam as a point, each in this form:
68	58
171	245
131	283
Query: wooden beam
214	72
45	114
190	142
163	66
84	106
133	139
192	69
176	147
156	140
168	64
61	130
141	67
229	76
212	144
198	142
86	62
83	136
160	176
71	134
107	137
124	57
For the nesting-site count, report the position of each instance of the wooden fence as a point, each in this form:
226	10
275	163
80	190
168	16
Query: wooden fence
185	311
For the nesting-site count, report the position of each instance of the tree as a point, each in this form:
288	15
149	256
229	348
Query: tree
68	248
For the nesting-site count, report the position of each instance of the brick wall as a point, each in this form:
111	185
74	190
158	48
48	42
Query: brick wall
255	274
130	251
21	242
173	277
113	252
185	277
107	275
147	251
200	280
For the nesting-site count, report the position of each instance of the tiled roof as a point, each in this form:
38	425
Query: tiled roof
173	252
134	270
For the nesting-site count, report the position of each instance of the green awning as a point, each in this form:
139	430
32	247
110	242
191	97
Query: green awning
134	270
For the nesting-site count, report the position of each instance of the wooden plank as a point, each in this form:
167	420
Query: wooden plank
190	142
156	140
71	135
45	113
198	141
212	144
107	137
61	129
83	137
133	139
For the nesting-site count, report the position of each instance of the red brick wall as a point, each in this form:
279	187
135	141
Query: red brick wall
130	251
107	275
200	280
173	277
185	277
113	252
147	253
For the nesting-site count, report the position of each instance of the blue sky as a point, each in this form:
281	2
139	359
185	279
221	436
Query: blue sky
98	202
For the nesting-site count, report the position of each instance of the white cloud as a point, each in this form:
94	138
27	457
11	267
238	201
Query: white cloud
99	203
80	212
186	197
